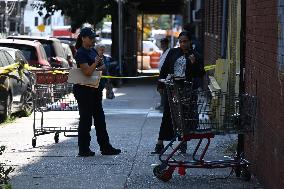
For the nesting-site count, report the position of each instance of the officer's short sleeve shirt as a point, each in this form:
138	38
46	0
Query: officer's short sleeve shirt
85	56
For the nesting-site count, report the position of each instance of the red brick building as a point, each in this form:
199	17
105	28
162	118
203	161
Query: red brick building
250	34
264	60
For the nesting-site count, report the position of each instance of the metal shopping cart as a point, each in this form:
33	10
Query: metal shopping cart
52	93
200	115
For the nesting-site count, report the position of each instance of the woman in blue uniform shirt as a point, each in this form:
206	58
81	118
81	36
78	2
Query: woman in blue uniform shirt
89	98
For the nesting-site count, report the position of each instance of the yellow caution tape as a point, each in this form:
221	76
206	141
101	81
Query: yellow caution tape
134	77
8	69
206	68
210	67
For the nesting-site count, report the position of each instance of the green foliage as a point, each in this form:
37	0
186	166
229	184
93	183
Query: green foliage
6	186
165	22
4	172
10	119
79	11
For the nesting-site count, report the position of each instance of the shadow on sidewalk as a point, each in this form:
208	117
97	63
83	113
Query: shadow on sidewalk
133	126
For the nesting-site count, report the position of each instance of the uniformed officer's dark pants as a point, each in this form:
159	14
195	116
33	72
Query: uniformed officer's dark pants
90	107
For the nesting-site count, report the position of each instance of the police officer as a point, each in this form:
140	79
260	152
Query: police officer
89	97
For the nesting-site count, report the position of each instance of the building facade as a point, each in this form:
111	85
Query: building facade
246	38
32	19
11	16
264	60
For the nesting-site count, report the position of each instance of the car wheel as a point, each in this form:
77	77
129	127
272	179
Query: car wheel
8	108
27	106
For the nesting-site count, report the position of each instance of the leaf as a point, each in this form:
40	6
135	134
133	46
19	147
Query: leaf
81	11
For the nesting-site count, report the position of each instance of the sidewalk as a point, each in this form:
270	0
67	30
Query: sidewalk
133	125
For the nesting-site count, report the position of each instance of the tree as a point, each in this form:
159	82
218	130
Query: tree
79	11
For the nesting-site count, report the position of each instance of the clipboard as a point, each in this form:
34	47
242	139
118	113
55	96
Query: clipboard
76	76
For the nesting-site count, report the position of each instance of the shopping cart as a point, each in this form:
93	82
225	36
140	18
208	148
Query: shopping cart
200	115
52	93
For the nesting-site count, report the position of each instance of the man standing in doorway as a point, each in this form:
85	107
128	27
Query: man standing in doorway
165	48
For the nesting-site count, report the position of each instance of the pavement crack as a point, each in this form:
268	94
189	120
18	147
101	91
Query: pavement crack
136	152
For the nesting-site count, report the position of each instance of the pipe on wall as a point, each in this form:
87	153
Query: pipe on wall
224	29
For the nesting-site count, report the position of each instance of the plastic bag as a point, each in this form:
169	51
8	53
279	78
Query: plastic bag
109	90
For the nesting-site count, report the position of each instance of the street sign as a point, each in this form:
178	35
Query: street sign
41	27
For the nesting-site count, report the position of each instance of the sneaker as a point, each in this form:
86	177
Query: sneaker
111	151
158	149
86	154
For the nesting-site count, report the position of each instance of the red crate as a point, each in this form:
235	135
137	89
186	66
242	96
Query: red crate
51	77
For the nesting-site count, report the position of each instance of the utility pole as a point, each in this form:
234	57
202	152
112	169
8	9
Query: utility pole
172	28
120	45
7	27
18	17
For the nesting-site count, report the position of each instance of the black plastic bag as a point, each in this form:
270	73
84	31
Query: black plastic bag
109	90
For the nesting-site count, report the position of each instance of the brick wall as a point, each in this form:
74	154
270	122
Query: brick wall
264	77
212	35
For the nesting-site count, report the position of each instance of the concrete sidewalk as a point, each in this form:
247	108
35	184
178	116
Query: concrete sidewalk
133	125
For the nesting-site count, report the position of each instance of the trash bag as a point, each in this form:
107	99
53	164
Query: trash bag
109	90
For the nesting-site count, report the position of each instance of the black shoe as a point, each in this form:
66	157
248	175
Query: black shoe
86	154
110	151
158	149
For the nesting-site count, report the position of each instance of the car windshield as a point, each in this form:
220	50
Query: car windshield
58	49
67	50
52	48
28	51
12	53
49	50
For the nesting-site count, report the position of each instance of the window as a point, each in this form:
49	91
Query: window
49	50
3	59
42	52
47	21
36	21
9	58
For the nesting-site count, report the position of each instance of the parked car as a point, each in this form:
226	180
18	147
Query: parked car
149	47
69	55
33	51
15	89
71	45
52	47
16	54
71	39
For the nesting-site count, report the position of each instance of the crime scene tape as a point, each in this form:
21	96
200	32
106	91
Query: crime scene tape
13	67
206	68
210	67
133	77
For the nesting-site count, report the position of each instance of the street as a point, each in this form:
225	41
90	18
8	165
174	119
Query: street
133	126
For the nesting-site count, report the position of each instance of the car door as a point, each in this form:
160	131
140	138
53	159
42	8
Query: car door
5	83
16	84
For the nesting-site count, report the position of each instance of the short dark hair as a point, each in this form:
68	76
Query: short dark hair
189	27
164	40
185	33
